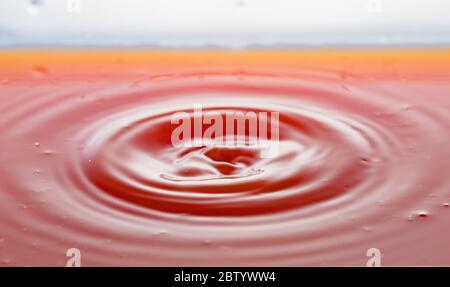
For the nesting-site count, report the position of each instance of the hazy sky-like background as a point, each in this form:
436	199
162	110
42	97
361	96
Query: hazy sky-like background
232	23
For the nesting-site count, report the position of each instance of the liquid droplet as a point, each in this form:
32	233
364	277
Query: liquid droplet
33	7
37	144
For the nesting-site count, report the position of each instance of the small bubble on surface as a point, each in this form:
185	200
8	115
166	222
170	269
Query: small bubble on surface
39	71
364	161
6	260
366	229
421	214
207	242
37	171
160	232
406	106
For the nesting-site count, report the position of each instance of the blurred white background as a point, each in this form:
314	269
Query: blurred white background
230	23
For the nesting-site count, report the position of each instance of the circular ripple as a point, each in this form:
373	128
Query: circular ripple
136	162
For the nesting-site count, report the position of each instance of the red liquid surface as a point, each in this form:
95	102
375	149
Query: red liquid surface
86	159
